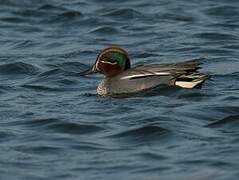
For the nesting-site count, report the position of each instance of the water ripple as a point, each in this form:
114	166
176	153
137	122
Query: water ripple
104	30
227	122
226	11
123	14
215	36
152	156
5	136
47	88
51	8
177	17
144	134
58	125
15	20
74	128
18	68
71	14
38	122
38	150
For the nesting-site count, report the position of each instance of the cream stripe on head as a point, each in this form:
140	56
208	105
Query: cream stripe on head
107	62
109	49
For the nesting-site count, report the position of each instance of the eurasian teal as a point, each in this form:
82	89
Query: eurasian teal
120	78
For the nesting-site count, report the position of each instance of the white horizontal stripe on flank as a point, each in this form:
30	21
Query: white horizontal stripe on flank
147	74
162	73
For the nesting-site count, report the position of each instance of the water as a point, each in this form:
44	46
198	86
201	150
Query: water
54	126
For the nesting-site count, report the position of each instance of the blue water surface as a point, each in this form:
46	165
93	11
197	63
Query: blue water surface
54	126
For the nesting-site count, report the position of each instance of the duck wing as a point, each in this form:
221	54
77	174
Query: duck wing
134	81
172	70
176	68
183	74
144	77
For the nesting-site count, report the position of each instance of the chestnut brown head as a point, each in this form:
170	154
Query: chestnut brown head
112	61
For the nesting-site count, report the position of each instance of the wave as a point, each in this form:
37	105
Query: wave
38	149
177	17
50	7
104	30
74	128
71	14
229	121
43	88
18	68
123	14
6	136
58	125
223	11
215	36
142	133
12	19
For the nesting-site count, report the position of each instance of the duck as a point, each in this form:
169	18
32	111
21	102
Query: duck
121	79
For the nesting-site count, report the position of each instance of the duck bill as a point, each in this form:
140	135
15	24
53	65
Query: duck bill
89	71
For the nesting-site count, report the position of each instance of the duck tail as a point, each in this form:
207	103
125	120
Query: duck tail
193	80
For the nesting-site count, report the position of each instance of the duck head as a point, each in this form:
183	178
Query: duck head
111	61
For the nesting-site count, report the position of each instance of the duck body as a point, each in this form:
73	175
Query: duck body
146	77
121	79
